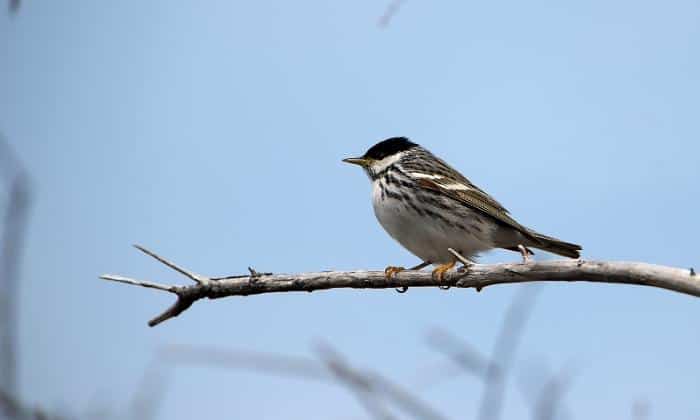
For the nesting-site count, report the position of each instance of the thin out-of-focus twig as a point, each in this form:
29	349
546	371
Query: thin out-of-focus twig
150	394
13	6
382	387
391	10
641	409
269	363
460	352
357	382
11	246
284	366
369	387
504	351
552	395
12	408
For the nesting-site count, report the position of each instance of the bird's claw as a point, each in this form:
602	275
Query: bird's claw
390	272
439	274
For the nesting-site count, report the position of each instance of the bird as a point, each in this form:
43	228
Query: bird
438	214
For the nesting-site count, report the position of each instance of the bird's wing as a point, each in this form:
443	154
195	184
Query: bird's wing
469	194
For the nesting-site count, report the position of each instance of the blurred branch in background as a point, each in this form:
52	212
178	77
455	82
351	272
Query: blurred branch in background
492	371
475	276
371	389
259	362
641	409
504	351
13	6
149	397
371	386
391	10
461	353
12	408
144	405
11	245
374	391
551	395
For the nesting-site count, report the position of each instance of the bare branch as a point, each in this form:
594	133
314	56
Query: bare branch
477	276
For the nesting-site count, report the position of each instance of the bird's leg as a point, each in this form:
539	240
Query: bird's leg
391	271
525	253
439	272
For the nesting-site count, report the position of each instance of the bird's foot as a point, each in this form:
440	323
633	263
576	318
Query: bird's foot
439	273
390	272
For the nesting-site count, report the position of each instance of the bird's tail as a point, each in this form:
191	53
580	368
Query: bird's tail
554	245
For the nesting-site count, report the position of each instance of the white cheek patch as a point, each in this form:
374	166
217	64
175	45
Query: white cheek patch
380	165
420	175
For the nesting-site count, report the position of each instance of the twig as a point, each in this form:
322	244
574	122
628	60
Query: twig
478	276
195	277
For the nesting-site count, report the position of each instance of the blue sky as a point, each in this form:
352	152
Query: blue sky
212	132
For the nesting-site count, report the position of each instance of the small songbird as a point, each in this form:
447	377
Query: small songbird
428	207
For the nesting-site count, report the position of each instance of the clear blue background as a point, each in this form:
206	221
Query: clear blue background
213	131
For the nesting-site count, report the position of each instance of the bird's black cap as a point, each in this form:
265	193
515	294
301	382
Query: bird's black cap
389	147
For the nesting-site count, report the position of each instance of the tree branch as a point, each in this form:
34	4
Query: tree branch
477	276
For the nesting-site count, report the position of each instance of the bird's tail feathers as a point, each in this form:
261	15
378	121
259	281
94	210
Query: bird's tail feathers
555	246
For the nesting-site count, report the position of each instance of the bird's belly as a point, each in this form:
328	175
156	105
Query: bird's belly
428	232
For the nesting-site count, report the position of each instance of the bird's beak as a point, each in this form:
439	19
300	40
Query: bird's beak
357	161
